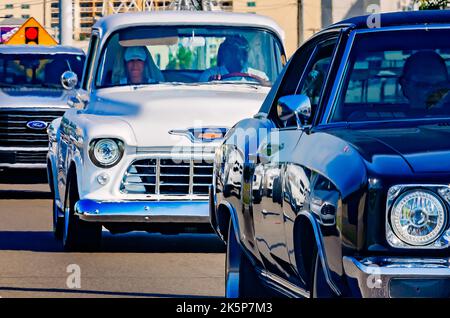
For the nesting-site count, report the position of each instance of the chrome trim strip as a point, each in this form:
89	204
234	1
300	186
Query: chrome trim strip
30	149
283	285
437	26
373	274
35	108
158	175
143	211
169	149
400	266
24	165
164	197
143	218
191	177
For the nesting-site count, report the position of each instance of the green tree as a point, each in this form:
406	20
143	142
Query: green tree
182	60
432	4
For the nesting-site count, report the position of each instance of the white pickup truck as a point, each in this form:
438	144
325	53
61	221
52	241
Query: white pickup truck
158	93
31	97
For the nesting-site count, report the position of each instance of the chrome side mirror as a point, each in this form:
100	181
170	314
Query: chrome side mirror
69	80
298	106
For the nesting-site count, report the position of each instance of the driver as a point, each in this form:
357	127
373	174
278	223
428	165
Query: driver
424	80
135	59
232	60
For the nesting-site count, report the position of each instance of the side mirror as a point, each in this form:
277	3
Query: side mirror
69	80
294	106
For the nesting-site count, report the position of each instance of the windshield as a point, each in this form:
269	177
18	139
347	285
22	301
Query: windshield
396	75
37	70
147	55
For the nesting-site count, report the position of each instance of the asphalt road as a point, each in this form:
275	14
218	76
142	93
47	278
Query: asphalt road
33	264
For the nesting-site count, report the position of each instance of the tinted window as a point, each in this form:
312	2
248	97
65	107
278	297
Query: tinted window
306	75
37	70
396	75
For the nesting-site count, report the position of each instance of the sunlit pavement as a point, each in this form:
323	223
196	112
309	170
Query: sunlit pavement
33	264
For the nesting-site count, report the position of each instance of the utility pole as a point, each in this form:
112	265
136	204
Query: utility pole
65	22
45	13
300	25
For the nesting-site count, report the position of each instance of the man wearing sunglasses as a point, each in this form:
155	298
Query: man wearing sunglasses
425	80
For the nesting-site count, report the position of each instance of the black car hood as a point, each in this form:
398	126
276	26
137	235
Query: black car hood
426	149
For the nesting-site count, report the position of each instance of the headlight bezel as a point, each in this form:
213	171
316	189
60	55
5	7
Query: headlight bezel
120	146
395	193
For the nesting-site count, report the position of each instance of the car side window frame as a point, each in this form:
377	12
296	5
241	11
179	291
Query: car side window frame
337	71
90	61
299	62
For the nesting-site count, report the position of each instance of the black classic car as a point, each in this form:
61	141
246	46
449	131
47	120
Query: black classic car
340	185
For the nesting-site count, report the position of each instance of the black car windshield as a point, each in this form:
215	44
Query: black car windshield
148	55
38	70
396	76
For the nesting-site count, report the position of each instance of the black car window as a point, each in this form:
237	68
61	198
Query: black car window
38	69
307	75
312	83
396	76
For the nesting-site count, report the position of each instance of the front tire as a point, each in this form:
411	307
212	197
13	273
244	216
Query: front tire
240	276
79	235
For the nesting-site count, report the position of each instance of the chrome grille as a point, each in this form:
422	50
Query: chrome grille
15	133
165	176
31	157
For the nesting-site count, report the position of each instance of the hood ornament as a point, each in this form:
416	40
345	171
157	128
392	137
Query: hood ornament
201	134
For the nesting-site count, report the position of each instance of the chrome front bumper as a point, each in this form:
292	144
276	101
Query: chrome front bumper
384	277
143	211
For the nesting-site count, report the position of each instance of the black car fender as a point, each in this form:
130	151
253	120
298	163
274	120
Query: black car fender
318	241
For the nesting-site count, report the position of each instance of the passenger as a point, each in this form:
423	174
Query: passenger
137	62
232	59
424	78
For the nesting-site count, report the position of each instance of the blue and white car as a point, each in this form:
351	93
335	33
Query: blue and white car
138	156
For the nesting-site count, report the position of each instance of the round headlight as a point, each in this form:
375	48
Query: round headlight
106	152
418	217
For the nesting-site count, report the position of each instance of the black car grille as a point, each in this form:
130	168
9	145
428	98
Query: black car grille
23	157
168	177
31	157
15	133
